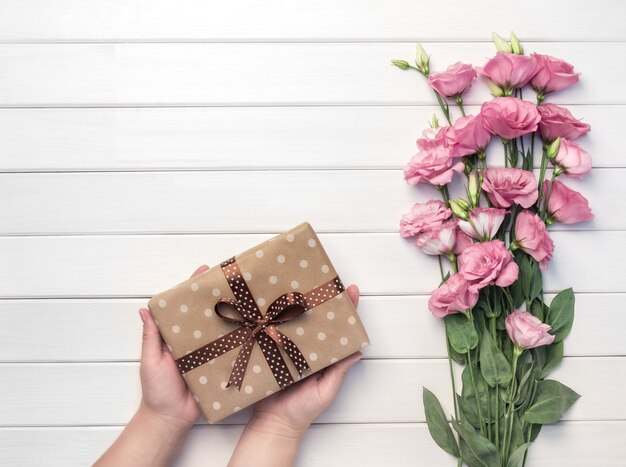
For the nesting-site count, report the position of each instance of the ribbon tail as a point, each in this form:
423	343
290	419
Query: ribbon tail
212	350
275	360
241	364
292	350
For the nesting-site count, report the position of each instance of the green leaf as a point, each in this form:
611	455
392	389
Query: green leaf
554	355
551	401
538	309
525	273
516	458
534	431
536	281
461	333
561	314
477	451
493	364
438	424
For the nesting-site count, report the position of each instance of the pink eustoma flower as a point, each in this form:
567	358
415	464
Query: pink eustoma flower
483	223
533	238
506	186
423	216
527	331
510	71
439	240
572	159
468	136
454	81
558	122
509	117
434	166
487	263
453	296
565	205
433	138
553	75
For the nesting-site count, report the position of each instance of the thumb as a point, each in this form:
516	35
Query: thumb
333	378
151	344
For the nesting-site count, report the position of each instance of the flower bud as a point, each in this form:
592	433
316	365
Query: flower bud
501	44
459	208
421	59
515	45
496	91
402	64
434	122
553	148
473	188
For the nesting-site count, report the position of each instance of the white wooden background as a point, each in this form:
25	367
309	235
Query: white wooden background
122	120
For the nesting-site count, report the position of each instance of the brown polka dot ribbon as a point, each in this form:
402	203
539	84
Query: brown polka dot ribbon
253	326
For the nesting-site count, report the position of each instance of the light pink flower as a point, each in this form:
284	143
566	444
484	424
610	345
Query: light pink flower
423	216
553	74
433	138
454	81
453	296
572	159
468	136
487	263
462	242
565	205
533	238
527	331
434	166
484	223
505	186
510	71
559	122
438	240
509	117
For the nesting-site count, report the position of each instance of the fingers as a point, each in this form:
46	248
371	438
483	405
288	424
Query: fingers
353	293
200	270
330	383
151	345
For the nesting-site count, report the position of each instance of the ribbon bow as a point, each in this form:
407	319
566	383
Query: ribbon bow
254	327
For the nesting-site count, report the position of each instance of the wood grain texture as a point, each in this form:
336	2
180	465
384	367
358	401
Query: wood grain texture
381	264
110	330
109	393
150	74
248	138
280	20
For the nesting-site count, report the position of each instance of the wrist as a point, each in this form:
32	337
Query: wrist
168	425
272	425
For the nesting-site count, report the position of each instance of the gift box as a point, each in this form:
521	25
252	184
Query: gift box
258	322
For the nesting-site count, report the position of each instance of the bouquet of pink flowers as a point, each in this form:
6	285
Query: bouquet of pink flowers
496	243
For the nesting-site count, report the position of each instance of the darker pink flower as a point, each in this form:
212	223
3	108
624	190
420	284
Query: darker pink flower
532	237
527	331
487	263
483	223
453	296
510	71
454	81
572	159
565	205
439	239
559	122
553	75
423	216
509	185
468	136
434	166
509	117
462	242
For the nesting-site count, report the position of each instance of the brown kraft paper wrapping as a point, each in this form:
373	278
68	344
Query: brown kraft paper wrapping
293	261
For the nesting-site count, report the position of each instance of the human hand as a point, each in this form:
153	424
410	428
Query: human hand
291	411
164	392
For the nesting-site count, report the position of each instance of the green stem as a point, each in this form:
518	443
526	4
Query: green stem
506	153
508	416
440	267
543	209
444	107
542	173
445	194
530	427
459	102
480	413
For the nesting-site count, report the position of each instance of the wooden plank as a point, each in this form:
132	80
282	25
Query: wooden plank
110	330
108	393
194	138
381	264
567	444
242	20
194	201
140	74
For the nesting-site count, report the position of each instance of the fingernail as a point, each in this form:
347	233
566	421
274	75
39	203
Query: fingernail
141	315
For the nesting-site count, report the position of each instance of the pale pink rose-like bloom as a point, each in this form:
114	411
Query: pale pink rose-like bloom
533	238
434	138
484	224
453	296
505	186
434	166
509	117
438	240
558	122
553	75
468	136
423	216
572	159
462	242
487	263
565	205
454	81
510	71
527	331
